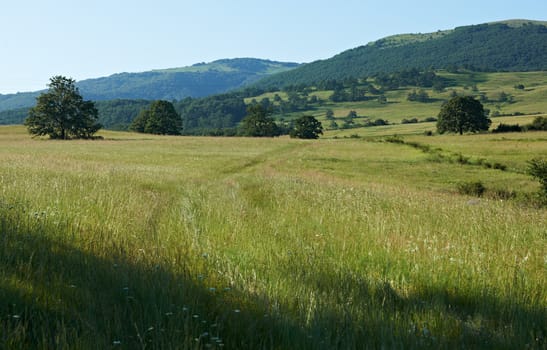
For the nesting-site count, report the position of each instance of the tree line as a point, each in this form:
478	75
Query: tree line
62	113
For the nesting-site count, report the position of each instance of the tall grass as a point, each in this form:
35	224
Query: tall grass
193	243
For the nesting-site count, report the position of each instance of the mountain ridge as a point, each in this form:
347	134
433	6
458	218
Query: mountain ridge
509	45
198	80
512	45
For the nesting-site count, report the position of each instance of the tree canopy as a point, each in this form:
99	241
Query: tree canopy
160	118
258	123
307	127
462	114
62	113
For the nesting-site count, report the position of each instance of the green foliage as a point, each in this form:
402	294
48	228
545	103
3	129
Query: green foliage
118	114
411	77
258	123
160	118
539	123
307	127
462	114
219	112
61	112
409	121
537	168
507	128
485	47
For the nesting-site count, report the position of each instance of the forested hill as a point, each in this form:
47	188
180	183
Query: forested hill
516	45
202	79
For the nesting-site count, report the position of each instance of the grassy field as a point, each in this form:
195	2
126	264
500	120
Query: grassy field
140	241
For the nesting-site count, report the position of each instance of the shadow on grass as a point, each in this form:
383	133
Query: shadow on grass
373	314
53	295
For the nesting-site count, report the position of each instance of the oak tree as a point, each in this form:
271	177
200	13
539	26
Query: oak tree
62	113
462	114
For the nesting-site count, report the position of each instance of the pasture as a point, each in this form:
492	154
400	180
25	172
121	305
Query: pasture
141	241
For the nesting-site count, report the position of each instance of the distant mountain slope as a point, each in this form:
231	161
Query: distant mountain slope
18	100
515	45
169	84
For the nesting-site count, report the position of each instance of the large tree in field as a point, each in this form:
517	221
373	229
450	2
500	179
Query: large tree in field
462	114
258	123
62	113
307	127
160	118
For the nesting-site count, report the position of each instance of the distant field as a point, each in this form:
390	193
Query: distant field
530	100
142	241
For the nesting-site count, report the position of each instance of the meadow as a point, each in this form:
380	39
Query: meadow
142	241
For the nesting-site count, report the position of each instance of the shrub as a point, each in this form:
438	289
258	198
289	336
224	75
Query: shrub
499	166
539	123
409	121
475	188
537	168
507	128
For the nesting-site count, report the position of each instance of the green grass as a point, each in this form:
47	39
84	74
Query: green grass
178	242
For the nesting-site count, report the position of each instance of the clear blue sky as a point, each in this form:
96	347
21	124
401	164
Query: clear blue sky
94	38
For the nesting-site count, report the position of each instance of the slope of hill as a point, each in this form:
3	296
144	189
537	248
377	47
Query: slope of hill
18	100
169	84
515	45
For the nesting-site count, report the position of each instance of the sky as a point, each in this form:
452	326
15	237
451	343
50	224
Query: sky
95	38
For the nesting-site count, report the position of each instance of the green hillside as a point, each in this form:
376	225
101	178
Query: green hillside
517	94
385	98
170	84
517	45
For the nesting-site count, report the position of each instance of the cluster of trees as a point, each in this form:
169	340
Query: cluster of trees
538	124
118	114
296	101
216	115
259	123
418	96
411	77
160	118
